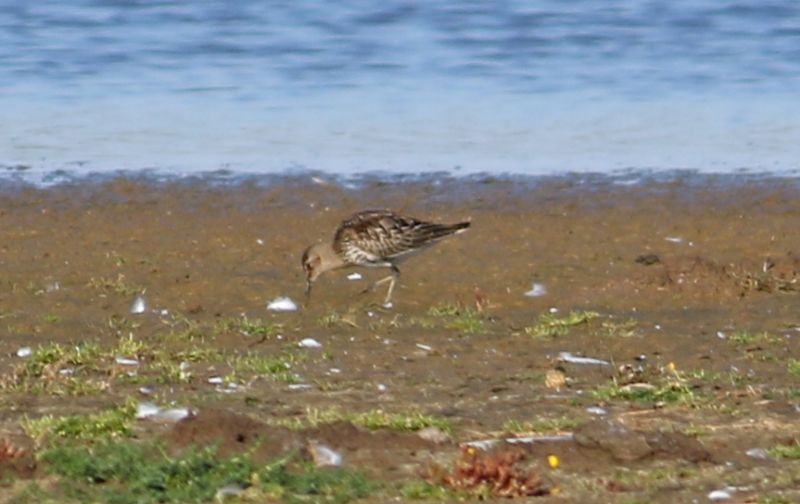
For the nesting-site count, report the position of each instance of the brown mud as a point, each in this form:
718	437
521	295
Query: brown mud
696	287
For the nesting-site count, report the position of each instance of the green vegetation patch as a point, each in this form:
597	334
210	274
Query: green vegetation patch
464	320
541	425
551	326
111	423
786	451
128	473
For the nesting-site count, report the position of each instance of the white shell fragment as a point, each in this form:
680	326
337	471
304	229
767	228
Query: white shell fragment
300	386
574	359
150	411
282	304
25	351
139	305
228	491
324	456
537	290
354	276
757	453
124	361
309	343
216	380
720	495
422	346
673	239
146	410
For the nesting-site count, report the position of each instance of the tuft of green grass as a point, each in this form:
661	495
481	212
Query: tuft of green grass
113	423
132	473
541	425
118	285
413	421
747	338
791	452
464	320
551	326
256	328
278	368
794	366
674	391
374	420
52	318
57	369
622	329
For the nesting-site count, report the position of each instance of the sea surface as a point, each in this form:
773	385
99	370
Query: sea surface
549	87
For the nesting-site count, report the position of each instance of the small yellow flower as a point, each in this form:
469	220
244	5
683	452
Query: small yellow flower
672	366
554	461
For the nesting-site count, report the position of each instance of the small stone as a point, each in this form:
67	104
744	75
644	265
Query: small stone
757	453
537	289
720	495
24	352
228	491
354	276
124	361
139	305
648	259
323	456
216	380
282	304
309	343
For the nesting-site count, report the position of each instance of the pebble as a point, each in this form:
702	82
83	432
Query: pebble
139	305
216	380
719	495
309	343
596	410
354	276
538	289
300	386
757	453
282	304
228	491
124	361
25	351
574	359
324	456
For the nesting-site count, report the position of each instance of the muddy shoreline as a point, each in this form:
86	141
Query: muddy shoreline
690	283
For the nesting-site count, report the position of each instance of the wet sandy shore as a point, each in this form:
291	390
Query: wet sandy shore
672	270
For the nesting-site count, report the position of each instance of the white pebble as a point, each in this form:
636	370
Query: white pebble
216	380
309	343
25	351
174	415
146	410
537	290
721	335
259	241
282	304
354	276
553	310
574	359
424	347
757	453
334	370
674	239
382	387
124	361
139	305
719	495
300	386
324	456
596	410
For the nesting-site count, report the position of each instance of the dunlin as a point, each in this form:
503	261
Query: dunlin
377	239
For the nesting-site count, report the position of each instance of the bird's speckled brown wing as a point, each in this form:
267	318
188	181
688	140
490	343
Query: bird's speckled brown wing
380	236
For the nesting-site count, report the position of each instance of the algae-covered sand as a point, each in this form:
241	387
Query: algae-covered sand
682	295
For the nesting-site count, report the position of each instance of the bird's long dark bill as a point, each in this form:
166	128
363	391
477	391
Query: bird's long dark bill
308	289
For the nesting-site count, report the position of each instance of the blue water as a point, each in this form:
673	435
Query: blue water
523	87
